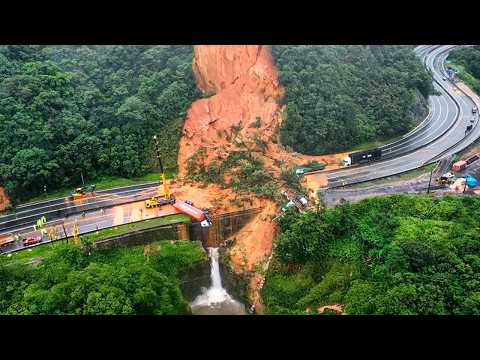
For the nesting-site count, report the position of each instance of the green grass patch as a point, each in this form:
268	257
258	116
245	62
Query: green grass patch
141	225
373	144
43	250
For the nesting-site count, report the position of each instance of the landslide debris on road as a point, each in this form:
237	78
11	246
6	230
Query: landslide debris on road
241	112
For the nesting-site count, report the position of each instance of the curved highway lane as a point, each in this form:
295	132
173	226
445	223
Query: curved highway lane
450	113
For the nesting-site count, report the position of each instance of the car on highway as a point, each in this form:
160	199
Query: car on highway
474	110
444	78
31	239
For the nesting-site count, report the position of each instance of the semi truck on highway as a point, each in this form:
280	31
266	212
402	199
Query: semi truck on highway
362	157
462	164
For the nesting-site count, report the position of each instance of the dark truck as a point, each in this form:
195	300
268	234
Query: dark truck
362	156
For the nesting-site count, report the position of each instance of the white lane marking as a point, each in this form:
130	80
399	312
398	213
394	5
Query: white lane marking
383	165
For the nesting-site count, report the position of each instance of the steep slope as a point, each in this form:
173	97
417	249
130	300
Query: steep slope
245	106
246	86
241	111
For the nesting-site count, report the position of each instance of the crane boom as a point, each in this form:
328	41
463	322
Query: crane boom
166	191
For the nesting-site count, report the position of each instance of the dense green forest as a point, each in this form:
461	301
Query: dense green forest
338	96
467	62
121	281
402	254
66	109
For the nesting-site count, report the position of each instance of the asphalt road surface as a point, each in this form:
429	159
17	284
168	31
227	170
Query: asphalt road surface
26	216
442	133
93	220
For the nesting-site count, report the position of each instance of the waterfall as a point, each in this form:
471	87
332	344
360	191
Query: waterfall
215	269
215	299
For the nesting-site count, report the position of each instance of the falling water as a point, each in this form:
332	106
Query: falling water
215	300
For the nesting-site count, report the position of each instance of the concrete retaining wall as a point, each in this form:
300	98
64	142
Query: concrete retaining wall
140	237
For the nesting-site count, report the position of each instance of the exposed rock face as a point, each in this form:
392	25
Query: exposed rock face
4	200
245	82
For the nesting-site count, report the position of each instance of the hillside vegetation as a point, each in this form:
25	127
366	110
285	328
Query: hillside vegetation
402	254
467	62
66	109
115	282
339	96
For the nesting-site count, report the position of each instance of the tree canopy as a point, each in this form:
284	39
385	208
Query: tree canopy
338	96
402	254
469	60
114	282
66	109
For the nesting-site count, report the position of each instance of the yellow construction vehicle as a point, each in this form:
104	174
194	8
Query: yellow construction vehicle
159	201
165	197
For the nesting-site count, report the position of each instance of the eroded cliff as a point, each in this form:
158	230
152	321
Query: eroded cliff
245	85
241	110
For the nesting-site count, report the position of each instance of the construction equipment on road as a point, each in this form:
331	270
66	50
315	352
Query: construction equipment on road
446	179
83	192
165	189
158	201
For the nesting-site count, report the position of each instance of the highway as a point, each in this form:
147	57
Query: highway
442	133
26	216
92	221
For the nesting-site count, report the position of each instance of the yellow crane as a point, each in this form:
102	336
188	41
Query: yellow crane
166	191
165	197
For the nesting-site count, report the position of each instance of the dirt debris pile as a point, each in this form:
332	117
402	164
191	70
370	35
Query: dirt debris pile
243	109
